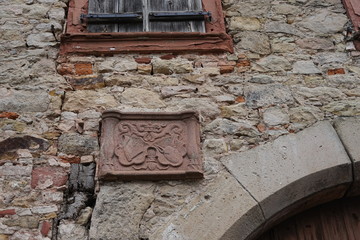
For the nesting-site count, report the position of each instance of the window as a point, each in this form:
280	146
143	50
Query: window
113	26
353	10
146	16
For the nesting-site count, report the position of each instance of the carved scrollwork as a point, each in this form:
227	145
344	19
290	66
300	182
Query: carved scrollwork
150	146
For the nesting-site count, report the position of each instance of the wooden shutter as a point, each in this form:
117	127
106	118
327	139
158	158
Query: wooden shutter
145	7
115	6
103	6
130	6
175	6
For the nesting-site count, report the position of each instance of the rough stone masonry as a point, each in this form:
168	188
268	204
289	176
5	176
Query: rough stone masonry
290	69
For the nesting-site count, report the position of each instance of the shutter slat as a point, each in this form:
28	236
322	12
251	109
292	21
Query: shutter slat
102	6
174	26
197	26
130	6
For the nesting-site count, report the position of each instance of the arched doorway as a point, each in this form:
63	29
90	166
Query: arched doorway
337	220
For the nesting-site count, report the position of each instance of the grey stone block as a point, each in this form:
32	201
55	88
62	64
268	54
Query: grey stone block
349	133
76	144
23	101
119	209
292	168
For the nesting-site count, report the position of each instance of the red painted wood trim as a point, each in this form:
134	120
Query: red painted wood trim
98	43
356	6
77	40
353	11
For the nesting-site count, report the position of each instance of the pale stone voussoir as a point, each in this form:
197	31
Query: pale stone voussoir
293	168
348	129
223	210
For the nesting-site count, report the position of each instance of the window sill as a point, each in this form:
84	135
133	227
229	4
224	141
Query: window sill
112	43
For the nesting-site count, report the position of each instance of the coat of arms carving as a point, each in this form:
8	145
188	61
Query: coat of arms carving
150	146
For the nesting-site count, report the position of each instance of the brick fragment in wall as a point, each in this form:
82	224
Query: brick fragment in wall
10	115
336	71
226	69
7	212
65	69
45	177
83	68
45	228
143	60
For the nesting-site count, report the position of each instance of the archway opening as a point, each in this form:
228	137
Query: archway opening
336	220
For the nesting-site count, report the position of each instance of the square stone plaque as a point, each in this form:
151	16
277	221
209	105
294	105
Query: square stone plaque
150	146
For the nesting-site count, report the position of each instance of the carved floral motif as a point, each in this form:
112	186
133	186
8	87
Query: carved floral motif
138	145
150	146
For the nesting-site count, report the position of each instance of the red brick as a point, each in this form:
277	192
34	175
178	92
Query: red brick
240	99
168	57
70	159
336	71
83	69
243	63
45	228
57	176
143	60
261	127
242	56
65	69
226	69
7	212
10	115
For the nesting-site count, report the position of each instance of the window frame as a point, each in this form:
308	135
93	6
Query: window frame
76	40
353	11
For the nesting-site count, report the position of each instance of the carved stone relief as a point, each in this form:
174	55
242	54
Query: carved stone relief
150	146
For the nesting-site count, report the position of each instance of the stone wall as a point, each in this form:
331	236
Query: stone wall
290	69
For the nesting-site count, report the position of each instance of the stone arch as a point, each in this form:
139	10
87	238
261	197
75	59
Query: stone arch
262	186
